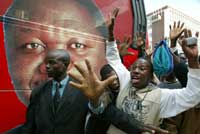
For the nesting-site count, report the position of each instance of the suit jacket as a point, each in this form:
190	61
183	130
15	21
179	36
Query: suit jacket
99	124
69	118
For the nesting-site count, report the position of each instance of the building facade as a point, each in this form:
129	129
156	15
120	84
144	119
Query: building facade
159	20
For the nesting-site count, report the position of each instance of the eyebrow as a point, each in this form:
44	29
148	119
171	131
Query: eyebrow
38	26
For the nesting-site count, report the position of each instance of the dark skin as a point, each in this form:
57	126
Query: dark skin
141	73
57	62
115	84
191	53
29	39
93	87
138	82
175	32
89	83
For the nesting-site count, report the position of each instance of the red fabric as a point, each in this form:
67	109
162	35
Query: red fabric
130	59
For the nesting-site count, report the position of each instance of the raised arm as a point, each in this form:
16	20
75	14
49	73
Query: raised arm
112	53
180	68
176	101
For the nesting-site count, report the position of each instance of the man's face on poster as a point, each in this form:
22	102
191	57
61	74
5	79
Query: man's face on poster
58	25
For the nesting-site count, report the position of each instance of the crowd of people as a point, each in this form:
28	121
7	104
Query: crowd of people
62	68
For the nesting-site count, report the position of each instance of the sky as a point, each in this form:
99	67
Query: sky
189	7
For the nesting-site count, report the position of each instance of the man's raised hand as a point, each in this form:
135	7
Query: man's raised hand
91	86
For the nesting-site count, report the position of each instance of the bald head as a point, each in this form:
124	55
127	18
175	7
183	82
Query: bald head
59	54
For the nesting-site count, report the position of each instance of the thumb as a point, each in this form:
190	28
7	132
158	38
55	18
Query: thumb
109	80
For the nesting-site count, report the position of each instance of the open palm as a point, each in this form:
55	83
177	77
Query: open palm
176	32
91	86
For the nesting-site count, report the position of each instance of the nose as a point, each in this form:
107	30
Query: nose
136	70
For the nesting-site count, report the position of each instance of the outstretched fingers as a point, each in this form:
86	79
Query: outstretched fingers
90	69
76	85
80	70
76	77
154	129
115	12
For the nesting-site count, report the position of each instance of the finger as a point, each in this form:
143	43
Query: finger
174	24
170	27
76	77
190	33
186	33
130	43
182	25
76	85
128	39
115	12
91	70
89	67
145	129
80	70
181	32
109	80
157	129
197	34
125	38
178	24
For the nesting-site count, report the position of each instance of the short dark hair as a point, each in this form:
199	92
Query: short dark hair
105	70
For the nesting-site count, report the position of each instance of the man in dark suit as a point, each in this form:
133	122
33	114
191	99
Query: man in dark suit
55	106
44	116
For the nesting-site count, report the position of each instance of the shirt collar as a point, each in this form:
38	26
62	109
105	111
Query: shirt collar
62	82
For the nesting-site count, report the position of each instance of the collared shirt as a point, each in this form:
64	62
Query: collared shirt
63	84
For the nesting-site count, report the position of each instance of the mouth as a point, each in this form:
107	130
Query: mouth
135	79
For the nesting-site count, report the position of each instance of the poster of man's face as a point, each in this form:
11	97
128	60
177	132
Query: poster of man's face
29	30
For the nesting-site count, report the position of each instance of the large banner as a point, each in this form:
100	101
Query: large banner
30	28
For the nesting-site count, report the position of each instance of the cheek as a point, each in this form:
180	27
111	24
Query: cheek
147	77
23	68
